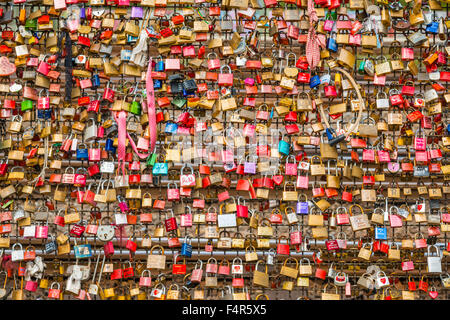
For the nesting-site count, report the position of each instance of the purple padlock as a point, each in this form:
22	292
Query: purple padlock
83	13
249	167
302	206
137	12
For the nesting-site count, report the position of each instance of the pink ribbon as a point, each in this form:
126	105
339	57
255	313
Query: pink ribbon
121	119
312	42
151	106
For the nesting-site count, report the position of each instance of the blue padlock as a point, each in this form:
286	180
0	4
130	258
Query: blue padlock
186	247
109	145
160	169
329	132
82	251
157	84
83	13
433	27
95	81
380	233
314	82
331	42
302	206
159	66
448	129
284	147
40	114
82	153
171	127
44	114
131	38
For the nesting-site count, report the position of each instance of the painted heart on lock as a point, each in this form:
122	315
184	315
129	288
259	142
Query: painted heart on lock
383	280
433	294
277	179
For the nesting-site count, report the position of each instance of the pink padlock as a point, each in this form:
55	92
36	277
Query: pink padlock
302	182
143	144
213	63
249	81
172	64
109	93
42	231
211	265
186	219
94	154
31	286
100	132
123	205
43	68
295	235
108	248
43	102
197	273
368	155
328	25
383	156
79	179
421	156
420	143
145	280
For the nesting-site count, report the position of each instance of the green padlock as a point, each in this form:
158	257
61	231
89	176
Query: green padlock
26	105
31	24
333	14
361	66
179	102
135	106
152	159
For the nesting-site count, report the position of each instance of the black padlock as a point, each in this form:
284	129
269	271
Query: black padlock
431	241
110	130
176	77
50	247
176	87
190	85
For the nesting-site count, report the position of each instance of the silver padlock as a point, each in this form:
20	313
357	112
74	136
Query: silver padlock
435	76
430	95
90	133
240	61
121	218
270	257
427	15
226	24
434	260
107	167
19	214
73	285
228	295
17	255
331	271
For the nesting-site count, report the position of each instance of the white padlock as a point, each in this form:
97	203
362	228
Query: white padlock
434	260
17	255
